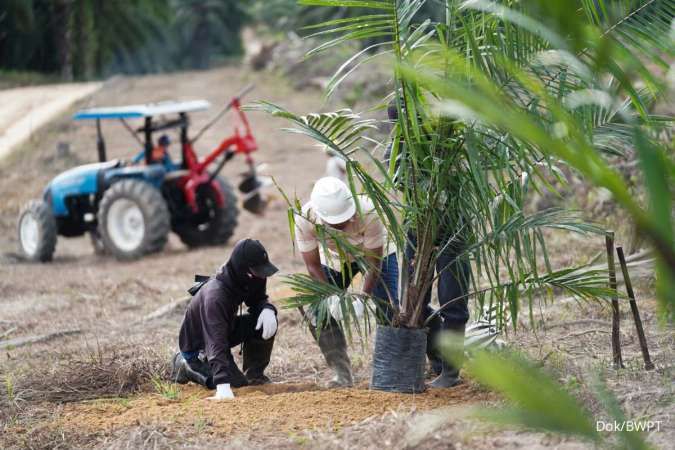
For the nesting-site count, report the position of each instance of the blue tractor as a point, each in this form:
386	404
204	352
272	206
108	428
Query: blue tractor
129	208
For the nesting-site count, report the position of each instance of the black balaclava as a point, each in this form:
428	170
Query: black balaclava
237	268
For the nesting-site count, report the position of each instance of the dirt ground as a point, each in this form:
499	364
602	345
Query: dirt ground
287	408
93	388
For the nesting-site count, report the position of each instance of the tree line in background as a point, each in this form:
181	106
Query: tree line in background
79	39
82	39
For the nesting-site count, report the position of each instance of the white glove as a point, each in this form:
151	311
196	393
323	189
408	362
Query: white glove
223	392
358	308
268	321
336	311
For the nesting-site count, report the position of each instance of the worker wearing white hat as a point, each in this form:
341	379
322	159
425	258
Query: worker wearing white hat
333	206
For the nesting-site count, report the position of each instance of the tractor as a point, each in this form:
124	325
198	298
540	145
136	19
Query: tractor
128	208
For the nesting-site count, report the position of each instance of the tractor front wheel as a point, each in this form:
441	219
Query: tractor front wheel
133	219
212	225
37	232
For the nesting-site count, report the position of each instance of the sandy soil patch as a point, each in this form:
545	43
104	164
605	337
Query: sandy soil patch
280	407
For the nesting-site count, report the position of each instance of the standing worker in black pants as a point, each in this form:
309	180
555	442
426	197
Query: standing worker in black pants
453	279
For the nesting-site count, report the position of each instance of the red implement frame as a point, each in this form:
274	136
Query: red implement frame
198	174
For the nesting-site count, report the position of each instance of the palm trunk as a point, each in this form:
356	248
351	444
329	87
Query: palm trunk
83	39
62	37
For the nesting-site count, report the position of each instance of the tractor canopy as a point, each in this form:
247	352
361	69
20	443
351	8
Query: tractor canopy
146	112
138	111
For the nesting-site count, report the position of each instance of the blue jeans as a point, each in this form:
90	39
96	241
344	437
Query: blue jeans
189	356
386	289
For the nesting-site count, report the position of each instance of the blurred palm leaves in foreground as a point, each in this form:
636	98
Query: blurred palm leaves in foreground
537	401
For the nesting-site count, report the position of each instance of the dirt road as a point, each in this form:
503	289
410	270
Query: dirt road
26	109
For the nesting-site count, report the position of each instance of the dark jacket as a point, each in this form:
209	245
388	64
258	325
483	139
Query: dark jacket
210	316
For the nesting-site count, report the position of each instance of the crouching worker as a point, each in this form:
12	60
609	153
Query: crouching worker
212	326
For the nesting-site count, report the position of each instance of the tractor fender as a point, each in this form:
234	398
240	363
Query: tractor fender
153	174
78	181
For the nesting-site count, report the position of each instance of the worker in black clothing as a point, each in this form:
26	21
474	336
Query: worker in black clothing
212	326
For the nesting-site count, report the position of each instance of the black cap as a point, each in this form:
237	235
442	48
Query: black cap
257	259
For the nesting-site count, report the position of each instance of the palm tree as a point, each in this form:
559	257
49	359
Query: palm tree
118	35
84	38
206	28
492	102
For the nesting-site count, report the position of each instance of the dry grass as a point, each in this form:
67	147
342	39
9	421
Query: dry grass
106	373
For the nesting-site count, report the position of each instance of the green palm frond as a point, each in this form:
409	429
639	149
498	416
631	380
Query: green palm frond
340	131
343	133
491	102
313	295
389	29
642	27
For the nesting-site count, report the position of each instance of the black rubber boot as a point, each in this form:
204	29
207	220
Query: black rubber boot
195	370
435	360
257	353
333	345
449	376
177	369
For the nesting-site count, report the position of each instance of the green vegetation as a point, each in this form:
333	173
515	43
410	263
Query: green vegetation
90	38
168	390
537	401
493	103
9	389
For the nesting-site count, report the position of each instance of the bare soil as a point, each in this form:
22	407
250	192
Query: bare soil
281	407
94	389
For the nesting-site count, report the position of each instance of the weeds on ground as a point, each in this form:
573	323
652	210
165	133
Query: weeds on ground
166	389
9	389
201	422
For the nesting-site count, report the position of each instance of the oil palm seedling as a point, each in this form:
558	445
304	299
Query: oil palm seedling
492	103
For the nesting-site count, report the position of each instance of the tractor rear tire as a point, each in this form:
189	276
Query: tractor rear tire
221	224
133	219
36	229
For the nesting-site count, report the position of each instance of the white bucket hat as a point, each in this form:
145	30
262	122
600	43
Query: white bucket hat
332	201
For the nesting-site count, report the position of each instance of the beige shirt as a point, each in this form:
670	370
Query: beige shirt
364	230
